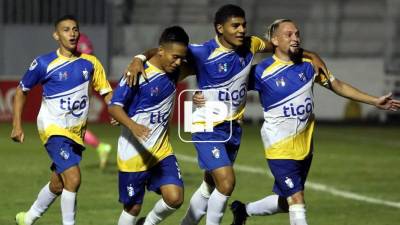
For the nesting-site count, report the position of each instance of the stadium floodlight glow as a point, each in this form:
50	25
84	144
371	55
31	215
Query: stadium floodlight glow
203	118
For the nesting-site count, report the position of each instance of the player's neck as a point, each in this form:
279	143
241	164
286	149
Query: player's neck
224	43
155	61
66	53
282	56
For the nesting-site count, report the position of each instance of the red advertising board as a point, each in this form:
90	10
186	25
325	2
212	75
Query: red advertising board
97	112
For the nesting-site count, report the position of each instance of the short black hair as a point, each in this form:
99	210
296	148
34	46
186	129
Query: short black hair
227	11
66	17
174	34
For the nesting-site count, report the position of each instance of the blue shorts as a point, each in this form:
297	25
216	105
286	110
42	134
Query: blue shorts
132	184
290	175
213	155
64	153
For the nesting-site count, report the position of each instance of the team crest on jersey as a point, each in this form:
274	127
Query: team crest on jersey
154	91
280	82
130	190
222	67
85	74
302	77
62	75
64	154
289	182
33	65
216	153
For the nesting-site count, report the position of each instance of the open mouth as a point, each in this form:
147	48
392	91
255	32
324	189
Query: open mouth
73	41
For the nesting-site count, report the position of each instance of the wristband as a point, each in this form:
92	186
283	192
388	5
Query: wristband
141	57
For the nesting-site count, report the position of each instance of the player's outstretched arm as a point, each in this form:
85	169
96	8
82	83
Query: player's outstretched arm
17	133
138	130
136	68
385	102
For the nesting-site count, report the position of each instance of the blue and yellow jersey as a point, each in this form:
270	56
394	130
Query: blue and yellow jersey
66	83
286	94
223	74
150	104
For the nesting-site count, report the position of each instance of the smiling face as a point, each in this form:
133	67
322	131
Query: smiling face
67	35
286	38
231	33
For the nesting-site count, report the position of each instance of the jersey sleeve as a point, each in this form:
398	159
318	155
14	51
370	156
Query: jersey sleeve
99	79
324	79
257	44
122	94
33	76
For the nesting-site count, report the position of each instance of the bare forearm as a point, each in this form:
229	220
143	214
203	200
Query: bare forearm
346	90
118	113
107	97
18	106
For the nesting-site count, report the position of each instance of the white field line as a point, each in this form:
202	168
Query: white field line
309	184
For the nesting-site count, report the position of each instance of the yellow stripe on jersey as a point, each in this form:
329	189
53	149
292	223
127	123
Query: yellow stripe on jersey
99	79
74	133
148	158
218	51
257	44
296	147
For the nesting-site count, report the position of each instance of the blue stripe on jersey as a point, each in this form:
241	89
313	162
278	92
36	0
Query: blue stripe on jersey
220	69
139	99
281	84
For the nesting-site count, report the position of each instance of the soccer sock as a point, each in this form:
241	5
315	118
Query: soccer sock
266	206
297	214
198	205
42	203
160	211
91	139
216	207
68	205
126	219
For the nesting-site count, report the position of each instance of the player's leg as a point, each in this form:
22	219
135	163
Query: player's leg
199	201
131	193
290	177
45	198
165	179
102	148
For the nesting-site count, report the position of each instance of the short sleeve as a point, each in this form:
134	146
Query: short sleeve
122	94
33	76
257	44
100	82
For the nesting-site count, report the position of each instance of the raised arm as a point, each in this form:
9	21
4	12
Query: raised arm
17	133
346	90
135	67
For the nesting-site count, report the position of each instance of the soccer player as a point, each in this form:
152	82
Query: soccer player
66	77
285	85
145	156
103	149
221	65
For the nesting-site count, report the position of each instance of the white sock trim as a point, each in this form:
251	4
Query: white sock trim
298	211
205	189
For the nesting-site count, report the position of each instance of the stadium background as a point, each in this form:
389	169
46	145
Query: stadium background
355	174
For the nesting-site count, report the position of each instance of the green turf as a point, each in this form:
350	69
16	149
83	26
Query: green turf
363	160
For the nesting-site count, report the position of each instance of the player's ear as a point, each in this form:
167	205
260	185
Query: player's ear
161	50
274	41
55	36
220	28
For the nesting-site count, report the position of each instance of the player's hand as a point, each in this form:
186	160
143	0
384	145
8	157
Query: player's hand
386	102
114	122
140	131
17	135
198	99
134	70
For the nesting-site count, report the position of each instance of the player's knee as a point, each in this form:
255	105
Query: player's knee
174	199
56	187
72	183
133	209
226	187
297	198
